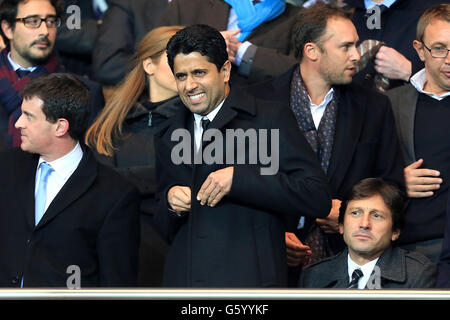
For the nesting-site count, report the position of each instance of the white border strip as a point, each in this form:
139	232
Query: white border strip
219	294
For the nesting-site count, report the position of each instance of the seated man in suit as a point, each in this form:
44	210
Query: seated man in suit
257	32
422	114
227	229
61	210
370	219
29	29
350	128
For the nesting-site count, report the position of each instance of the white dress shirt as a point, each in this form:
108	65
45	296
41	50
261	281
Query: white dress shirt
317	111
366	270
198	129
62	170
418	81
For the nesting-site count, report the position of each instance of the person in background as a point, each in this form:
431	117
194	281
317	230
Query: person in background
122	136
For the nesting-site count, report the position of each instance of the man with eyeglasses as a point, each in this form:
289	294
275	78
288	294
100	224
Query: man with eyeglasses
28	28
422	112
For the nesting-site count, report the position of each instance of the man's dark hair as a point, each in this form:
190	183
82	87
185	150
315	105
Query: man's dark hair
391	195
63	96
9	8
311	25
198	38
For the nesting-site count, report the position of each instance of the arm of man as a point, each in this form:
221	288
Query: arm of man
421	182
330	224
118	242
295	184
297	253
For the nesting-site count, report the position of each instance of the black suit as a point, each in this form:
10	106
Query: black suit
92	222
365	141
240	242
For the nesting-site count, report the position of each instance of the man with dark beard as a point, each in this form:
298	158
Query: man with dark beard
28	28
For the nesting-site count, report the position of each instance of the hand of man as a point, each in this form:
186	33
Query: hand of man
421	183
179	198
392	64
331	224
297	252
216	186
232	43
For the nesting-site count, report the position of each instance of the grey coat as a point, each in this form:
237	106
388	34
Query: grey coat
399	269
404	101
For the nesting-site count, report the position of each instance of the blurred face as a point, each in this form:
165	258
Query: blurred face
31	46
162	81
436	35
200	86
367	228
36	132
339	55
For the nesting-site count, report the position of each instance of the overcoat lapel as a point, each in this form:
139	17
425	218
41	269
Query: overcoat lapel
349	123
78	183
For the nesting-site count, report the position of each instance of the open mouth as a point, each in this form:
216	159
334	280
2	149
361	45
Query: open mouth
196	98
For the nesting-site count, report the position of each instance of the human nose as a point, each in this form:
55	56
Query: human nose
355	55
43	28
364	222
19	122
191	84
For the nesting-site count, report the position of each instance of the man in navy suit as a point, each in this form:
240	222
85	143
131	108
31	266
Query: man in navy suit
60	210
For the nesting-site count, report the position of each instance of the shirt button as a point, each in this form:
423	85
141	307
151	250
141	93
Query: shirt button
368	76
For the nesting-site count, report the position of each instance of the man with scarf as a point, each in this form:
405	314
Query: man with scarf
351	129
257	32
28	29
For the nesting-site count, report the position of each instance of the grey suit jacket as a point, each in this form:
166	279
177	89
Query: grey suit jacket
404	101
399	269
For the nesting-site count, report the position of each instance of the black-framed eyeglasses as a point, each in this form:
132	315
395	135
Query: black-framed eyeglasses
35	21
437	52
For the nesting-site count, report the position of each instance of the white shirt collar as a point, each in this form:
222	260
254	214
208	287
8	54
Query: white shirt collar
211	115
418	81
66	165
370	4
366	270
18	66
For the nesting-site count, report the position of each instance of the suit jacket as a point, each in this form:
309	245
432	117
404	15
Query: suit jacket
272	38
92	222
124	25
365	141
404	104
399	269
240	242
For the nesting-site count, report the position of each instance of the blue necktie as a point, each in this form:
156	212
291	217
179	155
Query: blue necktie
41	194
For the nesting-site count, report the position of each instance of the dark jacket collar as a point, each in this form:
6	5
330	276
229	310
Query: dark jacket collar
168	108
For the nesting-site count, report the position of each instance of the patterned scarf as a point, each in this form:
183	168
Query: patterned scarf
10	87
251	16
322	139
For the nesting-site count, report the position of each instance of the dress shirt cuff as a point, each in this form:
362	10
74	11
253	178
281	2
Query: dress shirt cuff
246	60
